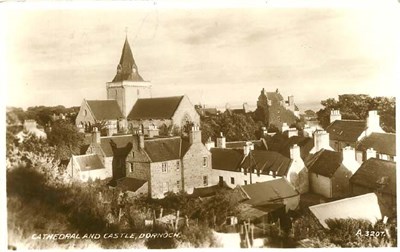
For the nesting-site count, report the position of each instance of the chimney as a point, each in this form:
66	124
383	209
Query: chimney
373	122
335	115
295	152
195	135
285	127
349	154
247	148
95	135
210	144
321	141
307	131
221	141
292	132
140	137
264	131
291	101
153	131
370	153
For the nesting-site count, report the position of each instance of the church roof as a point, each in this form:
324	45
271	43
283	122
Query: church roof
155	108
105	109
127	68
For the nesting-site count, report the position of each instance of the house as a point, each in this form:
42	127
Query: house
377	145
344	133
364	206
87	167
379	176
330	172
282	144
168	164
164	112
272	109
30	129
106	115
267	200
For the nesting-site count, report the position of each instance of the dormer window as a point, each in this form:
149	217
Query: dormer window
164	167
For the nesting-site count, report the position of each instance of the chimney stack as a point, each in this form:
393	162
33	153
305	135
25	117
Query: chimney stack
321	141
285	127
295	152
140	137
221	141
153	131
335	115
209	144
195	135
349	154
264	131
370	153
373	122
247	148
95	135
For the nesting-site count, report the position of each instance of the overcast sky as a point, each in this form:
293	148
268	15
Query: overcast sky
215	56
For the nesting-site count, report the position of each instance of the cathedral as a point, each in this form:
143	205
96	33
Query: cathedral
130	106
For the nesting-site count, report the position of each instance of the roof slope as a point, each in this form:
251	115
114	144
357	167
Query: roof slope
346	130
258	144
155	108
130	184
267	161
381	142
88	162
349	208
324	162
375	173
121	142
226	159
163	149
105	109
268	191
127	69
305	144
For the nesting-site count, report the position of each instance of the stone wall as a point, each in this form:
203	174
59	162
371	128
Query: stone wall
185	111
165	181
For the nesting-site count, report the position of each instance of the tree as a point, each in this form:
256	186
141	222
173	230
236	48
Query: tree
66	138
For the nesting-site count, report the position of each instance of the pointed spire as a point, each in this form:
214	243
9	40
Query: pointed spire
127	69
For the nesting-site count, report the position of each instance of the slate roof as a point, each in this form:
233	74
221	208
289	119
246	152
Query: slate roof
254	212
163	149
267	161
374	172
305	144
346	130
324	162
127	69
209	190
130	184
155	108
226	159
105	109
88	162
360	207
121	142
273	191
384	143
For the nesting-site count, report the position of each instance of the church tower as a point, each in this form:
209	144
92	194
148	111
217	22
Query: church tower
127	85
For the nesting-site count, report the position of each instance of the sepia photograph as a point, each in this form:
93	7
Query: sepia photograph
175	125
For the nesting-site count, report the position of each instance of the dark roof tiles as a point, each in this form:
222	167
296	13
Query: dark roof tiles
226	159
384	143
155	108
267	162
105	109
346	130
324	162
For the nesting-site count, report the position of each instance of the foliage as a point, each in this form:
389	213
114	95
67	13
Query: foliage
66	138
235	127
356	107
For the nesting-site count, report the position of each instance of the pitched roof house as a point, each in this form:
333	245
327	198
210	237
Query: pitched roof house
376	175
88	166
384	145
364	206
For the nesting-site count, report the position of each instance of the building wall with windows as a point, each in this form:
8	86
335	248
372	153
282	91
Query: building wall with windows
235	178
165	177
197	168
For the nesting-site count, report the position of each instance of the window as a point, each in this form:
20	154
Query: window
164	167
129	166
245	182
232	180
258	173
204	161
205	180
85	112
178	164
221	179
178	184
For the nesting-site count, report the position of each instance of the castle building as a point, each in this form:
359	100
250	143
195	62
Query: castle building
272	109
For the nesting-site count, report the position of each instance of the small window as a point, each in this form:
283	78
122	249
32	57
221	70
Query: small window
245	182
204	161
221	179
232	180
130	166
205	180
164	168
85	112
258	173
178	164
178	184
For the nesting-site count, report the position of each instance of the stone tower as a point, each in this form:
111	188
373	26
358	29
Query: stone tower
127	85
